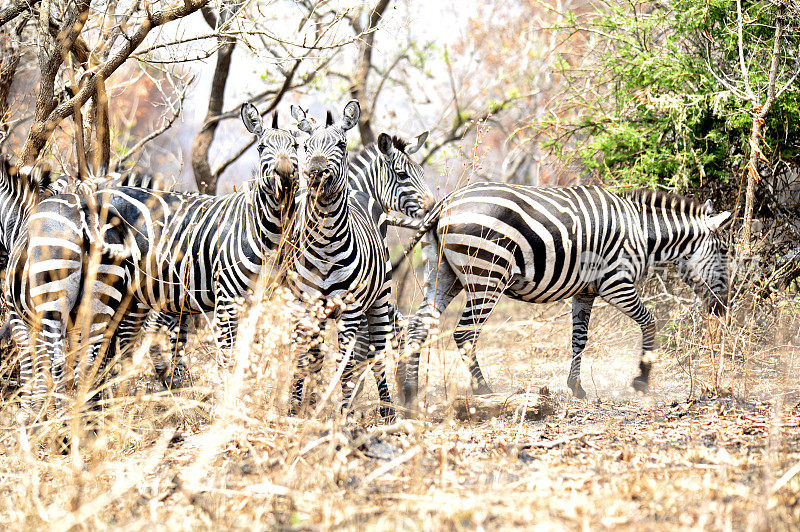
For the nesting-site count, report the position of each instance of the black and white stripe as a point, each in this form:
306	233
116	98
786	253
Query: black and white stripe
183	253
340	268
546	244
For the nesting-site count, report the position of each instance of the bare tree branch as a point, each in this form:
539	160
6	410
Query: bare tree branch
363	66
48	115
176	112
15	9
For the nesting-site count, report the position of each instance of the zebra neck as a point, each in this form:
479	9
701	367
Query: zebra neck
668	233
267	208
367	172
325	218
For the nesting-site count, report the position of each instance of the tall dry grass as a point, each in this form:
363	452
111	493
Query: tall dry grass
715	446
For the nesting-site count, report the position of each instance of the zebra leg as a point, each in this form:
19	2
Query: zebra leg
21	335
354	347
382	323
50	345
309	363
581	311
224	326
171	374
441	287
627	300
479	307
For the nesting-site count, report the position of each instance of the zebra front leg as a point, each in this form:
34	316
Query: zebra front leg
224	326
382	323
627	300
309	362
354	351
581	311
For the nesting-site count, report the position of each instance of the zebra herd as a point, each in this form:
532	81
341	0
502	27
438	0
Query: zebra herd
91	270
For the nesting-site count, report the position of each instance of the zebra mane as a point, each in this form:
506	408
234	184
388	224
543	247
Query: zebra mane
400	144
658	199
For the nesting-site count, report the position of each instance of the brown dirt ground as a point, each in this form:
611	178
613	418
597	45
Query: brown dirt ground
704	456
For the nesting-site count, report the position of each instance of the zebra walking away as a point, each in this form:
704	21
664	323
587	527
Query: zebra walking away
341	265
546	244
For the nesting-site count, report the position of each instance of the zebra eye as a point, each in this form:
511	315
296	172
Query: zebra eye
341	145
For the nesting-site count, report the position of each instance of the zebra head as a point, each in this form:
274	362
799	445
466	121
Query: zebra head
325	165
277	149
402	185
705	265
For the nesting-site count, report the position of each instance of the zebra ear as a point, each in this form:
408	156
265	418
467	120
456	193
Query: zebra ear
252	119
708	208
303	122
328	118
420	142
385	144
350	115
275	120
715	222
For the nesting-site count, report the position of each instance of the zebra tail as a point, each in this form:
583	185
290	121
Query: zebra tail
430	219
112	241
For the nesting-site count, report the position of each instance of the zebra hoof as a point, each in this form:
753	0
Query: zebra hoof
641	386
482	389
578	392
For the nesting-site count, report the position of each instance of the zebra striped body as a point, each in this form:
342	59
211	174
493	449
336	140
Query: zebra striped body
340	269
47	284
183	252
546	244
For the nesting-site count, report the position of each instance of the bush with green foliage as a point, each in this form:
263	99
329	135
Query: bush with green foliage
666	101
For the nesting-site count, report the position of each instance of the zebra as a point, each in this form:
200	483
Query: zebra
183	252
61	199
547	244
340	269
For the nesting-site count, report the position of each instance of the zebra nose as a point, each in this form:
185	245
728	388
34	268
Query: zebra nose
284	166
316	168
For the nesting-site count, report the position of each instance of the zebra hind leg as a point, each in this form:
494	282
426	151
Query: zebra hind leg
476	312
441	287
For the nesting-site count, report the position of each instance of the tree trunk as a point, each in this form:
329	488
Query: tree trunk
206	181
9	61
363	66
751	170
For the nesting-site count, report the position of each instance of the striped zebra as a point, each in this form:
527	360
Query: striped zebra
340	270
384	170
183	252
50	241
546	244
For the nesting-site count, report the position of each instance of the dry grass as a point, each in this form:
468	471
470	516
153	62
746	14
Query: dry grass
721	453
